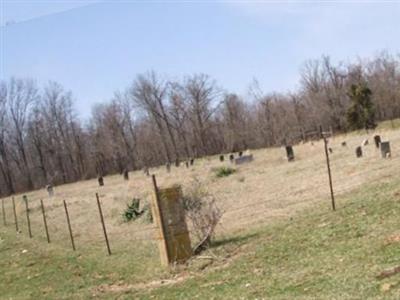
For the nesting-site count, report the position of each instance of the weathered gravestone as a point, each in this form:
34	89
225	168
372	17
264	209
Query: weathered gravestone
365	142
126	174
240	153
385	149
359	151
187	164
172	234
50	190
344	144
377	140
192	161
289	153
231	157
177	162
221	158
101	181
168	166
330	150
244	159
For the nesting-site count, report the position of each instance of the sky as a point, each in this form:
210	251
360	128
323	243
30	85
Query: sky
95	48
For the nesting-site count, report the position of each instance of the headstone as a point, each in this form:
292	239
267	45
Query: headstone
330	150
221	158
126	174
187	164
50	190
192	161
244	159
168	166
169	217
101	181
146	171
344	144
289	153
365	142
359	151
377	140
385	149
177	162
231	157
240	153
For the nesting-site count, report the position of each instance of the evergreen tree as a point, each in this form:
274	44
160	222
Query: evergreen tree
361	114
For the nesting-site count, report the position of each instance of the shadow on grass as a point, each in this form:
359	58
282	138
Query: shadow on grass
234	240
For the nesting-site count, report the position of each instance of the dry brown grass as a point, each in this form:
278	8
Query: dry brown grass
265	190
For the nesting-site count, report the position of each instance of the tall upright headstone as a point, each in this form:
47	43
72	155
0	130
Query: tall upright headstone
221	158
359	151
50	190
100	180
126	174
289	153
377	140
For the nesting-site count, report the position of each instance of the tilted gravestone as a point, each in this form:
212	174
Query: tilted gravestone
377	139
385	149
172	231
101	181
289	153
221	158
359	151
330	150
244	159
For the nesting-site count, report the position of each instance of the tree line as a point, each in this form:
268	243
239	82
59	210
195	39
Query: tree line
156	120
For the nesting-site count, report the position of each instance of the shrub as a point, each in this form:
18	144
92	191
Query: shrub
133	212
224	171
203	214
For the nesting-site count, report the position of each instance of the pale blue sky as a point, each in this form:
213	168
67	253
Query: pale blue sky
96	47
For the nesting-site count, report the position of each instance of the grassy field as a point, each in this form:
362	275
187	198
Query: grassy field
277	239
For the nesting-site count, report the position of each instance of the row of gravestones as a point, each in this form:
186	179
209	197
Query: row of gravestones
147	172
383	146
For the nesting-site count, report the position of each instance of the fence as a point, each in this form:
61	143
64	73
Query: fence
54	220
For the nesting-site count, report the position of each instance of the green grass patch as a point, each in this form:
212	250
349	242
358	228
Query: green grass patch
224	171
319	254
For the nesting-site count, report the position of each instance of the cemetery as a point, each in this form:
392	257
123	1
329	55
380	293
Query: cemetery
268	186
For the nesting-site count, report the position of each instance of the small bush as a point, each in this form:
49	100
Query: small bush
203	213
133	211
224	171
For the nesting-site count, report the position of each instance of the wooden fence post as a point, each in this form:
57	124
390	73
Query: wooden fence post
44	221
329	169
15	215
102	223
27	215
4	213
69	226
